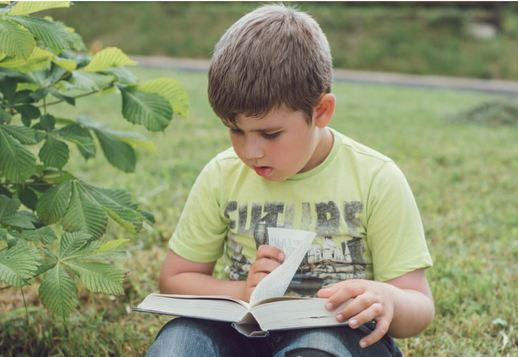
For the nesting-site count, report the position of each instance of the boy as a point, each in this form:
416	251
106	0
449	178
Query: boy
269	82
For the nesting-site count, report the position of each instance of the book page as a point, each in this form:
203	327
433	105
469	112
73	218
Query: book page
295	243
203	307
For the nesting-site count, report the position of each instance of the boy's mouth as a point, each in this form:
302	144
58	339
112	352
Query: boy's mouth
263	171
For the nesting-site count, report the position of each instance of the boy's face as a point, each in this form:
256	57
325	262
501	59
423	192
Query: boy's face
279	145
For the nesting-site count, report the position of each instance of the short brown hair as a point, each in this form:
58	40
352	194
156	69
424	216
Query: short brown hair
272	56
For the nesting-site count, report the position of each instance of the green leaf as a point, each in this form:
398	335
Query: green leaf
47	122
67	64
54	153
84	214
47	77
118	153
99	277
15	40
4	191
28	112
58	292
29	7
51	34
23	134
107	58
16	163
72	243
39	59
4	116
96	250
43	234
22	96
136	140
56	177
118	205
28	197
54	203
21	219
8	87
170	89
90	81
123	75
18	264
68	99
79	136
111	246
8	206
149	109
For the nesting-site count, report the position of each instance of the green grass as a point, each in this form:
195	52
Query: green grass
405	37
464	177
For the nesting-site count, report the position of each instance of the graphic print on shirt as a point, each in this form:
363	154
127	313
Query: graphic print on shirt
336	253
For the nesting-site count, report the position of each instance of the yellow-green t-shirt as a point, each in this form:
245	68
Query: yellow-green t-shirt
357	201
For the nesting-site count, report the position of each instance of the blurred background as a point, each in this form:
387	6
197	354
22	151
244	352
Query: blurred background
466	39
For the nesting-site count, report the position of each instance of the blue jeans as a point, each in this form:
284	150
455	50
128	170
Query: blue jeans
193	337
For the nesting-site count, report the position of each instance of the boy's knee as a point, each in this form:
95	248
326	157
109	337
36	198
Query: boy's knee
308	352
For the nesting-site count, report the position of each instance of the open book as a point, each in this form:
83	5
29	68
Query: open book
268	309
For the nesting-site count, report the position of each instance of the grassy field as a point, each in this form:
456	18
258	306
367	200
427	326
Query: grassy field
410	37
464	177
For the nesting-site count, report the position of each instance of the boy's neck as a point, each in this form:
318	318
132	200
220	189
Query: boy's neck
322	150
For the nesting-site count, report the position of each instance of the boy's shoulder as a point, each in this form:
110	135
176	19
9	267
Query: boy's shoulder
360	151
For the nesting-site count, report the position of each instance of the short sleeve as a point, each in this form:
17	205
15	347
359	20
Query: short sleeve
201	229
395	232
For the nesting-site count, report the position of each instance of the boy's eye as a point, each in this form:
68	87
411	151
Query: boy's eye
271	136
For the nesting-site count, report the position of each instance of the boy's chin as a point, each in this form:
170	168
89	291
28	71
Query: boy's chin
276	177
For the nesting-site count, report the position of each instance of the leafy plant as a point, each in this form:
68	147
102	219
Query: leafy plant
52	223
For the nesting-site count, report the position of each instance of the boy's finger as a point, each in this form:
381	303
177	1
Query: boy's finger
373	312
328	290
256	278
271	252
342	294
350	308
264	265
382	327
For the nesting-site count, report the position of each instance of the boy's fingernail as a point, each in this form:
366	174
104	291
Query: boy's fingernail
340	317
281	256
353	322
329	306
363	344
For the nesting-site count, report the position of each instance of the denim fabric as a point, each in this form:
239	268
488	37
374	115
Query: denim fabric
192	337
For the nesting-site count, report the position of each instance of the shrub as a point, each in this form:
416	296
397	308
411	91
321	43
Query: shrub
52	223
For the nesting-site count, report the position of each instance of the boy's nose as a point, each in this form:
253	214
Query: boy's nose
253	151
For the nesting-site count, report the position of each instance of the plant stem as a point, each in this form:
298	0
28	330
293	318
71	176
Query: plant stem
62	100
25	306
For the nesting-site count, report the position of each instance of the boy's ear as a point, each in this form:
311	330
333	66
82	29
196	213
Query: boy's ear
324	110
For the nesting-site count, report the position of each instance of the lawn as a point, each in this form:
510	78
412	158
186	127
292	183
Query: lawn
464	177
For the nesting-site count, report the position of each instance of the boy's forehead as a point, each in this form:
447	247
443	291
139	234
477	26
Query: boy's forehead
275	119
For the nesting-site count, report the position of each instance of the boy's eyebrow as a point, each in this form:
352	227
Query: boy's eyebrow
263	130
267	130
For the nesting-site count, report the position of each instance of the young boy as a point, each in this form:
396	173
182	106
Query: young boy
270	82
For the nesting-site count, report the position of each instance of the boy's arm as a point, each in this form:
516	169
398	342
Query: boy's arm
403	306
182	276
414	307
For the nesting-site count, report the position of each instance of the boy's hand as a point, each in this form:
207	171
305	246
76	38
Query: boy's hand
367	300
267	259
